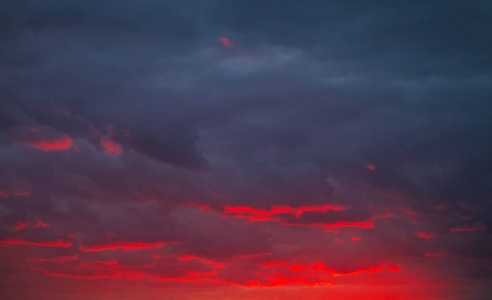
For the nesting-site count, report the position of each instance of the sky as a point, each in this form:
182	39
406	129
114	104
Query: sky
244	149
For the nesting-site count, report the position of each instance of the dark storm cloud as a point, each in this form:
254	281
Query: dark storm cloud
164	119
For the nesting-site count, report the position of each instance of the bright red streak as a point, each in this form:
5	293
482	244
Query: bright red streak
40	224
367	271
261	214
425	235
58	243
123	245
204	261
62	143
20	225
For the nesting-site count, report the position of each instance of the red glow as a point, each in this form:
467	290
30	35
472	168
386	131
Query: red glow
394	268
371	167
123	245
62	143
254	214
437	253
367	271
20	225
468	207
262	215
469	228
204	207
57	259
6	194
280	263
225	42
215	265
425	235
110	146
40	224
355	238
319	266
365	224
58	243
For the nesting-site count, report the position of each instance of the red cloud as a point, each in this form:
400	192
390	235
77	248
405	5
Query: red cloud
437	253
225	42
110	146
123	245
469	228
58	243
319	266
424	235
62	143
367	271
371	167
394	268
278	214
6	194
261	214
22	225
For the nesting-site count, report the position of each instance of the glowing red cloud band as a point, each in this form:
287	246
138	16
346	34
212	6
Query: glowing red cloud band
58	243
320	266
22	225
6	194
425	235
438	253
254	213
215	265
297	274
394	268
111	147
273	214
330	226
62	143
123	245
469	228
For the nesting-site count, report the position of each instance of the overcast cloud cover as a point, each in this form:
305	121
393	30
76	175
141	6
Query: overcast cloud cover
245	149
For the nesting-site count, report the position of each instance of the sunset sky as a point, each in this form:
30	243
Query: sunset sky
245	149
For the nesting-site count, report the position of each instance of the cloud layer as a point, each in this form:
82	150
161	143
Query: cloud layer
195	148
